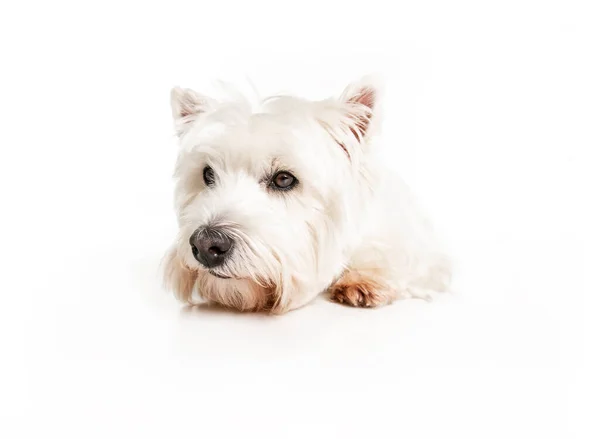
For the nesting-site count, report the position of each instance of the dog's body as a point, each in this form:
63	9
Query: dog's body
280	203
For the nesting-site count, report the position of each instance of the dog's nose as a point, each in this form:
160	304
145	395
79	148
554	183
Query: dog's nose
210	246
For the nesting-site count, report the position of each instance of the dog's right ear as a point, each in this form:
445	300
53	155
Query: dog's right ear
186	105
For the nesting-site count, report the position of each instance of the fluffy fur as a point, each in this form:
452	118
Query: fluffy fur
349	227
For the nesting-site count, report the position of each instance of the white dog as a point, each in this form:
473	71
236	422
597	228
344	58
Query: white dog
279	203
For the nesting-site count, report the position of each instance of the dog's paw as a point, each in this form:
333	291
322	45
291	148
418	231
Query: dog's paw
360	290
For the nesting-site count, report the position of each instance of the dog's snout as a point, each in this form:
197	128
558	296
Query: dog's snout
210	246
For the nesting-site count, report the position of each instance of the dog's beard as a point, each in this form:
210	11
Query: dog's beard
250	279
240	294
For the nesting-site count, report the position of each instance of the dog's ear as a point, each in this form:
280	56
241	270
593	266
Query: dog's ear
353	118
186	105
362	101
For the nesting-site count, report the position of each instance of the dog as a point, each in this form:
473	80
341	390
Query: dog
281	201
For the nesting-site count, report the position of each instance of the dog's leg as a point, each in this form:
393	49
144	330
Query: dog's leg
362	288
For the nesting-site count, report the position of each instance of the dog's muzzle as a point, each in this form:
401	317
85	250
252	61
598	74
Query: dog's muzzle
210	246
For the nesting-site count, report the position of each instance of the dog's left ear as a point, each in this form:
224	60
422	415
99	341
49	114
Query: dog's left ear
353	118
186	105
362	101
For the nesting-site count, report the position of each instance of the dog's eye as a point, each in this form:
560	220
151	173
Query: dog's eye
209	176
283	181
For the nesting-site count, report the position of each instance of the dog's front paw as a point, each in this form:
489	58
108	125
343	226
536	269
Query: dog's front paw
361	290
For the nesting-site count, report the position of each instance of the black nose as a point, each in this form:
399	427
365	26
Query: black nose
210	246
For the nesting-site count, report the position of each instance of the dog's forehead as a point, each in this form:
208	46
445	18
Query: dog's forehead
257	139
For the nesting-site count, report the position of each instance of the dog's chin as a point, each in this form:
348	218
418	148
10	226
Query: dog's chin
240	293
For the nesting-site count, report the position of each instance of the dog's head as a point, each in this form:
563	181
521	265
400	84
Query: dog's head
266	197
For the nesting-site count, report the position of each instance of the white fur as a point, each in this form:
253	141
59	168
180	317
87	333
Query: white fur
347	213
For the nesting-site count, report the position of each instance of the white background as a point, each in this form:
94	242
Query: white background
492	116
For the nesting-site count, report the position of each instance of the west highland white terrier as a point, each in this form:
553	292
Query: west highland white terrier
279	202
